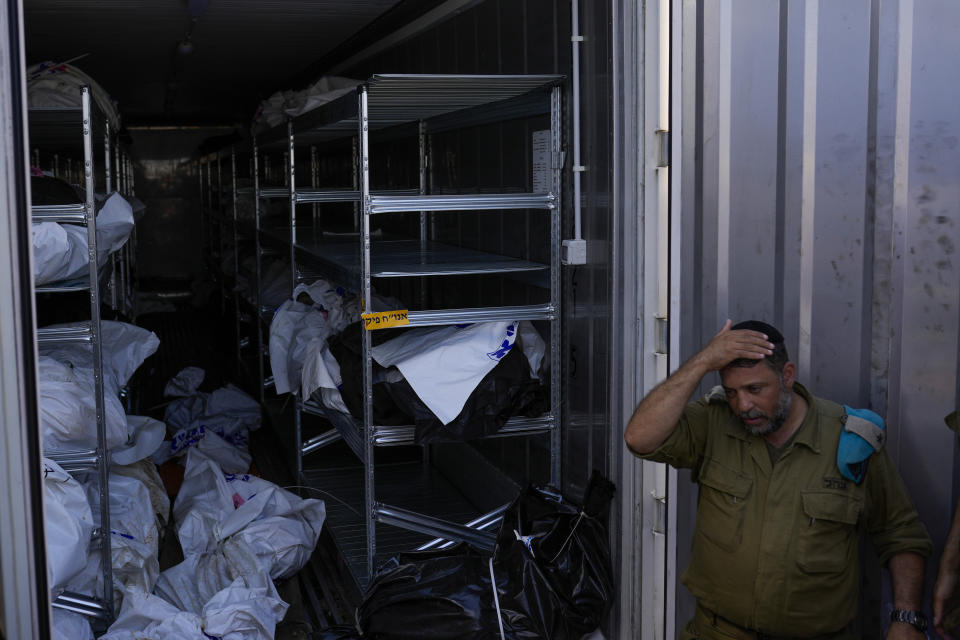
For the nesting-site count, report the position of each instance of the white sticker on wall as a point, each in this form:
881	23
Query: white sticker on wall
541	161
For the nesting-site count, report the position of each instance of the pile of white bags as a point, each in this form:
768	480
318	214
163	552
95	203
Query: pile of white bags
67	392
217	423
244	610
60	251
238	533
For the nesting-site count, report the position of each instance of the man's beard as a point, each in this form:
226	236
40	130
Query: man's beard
779	416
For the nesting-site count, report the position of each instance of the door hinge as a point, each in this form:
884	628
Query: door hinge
663	147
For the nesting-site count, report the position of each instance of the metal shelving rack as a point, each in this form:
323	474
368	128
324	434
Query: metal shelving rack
65	126
434	103
223	233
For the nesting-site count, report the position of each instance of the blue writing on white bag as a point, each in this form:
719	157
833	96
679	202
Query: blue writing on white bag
506	345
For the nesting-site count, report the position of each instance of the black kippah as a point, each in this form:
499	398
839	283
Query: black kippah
755	325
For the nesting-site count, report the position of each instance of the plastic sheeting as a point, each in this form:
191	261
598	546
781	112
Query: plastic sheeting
275	109
70	626
241	611
445	364
507	390
57	84
146	472
67	391
556	556
549	577
68	524
144	436
300	357
60	251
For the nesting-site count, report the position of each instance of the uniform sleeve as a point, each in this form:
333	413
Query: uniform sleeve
684	447
892	520
953	421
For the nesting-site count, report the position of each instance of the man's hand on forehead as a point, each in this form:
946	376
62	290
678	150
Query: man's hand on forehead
729	345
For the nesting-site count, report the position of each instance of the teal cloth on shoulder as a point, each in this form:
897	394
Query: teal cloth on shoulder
863	435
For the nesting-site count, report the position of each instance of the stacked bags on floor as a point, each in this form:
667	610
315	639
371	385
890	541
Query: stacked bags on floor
239	533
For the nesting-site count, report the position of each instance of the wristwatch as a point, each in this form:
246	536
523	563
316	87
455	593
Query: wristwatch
916	618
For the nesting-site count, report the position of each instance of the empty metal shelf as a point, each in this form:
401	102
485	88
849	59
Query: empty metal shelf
414	487
396	99
305	196
461	202
62	127
71	461
68	213
492	314
275	192
408	258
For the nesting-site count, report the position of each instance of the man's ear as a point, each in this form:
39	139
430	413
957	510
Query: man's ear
789	375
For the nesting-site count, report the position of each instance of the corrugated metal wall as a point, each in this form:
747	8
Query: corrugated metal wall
820	193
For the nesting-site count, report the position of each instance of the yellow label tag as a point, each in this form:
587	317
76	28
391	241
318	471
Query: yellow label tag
385	319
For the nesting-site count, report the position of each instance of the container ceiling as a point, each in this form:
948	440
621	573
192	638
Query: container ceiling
198	61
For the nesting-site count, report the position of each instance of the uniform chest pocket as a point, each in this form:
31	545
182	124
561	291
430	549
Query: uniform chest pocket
722	505
828	531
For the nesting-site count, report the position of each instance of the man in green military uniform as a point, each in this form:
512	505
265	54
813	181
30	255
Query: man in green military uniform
775	551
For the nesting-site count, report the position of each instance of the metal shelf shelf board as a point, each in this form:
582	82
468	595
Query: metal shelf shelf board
61	213
397	99
62	335
461	202
402	258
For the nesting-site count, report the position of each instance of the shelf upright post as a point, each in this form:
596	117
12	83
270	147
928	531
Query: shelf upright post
203	218
292	186
555	231
103	454
259	260
314	184
291	178
236	251
219	223
422	144
116	163
107	154
366	298
356	183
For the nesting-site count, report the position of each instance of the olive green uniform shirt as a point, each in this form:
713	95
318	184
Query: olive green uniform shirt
775	547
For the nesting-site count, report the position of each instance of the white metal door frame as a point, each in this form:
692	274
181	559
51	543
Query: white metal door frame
24	601
646	298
